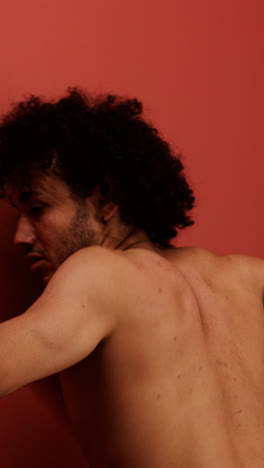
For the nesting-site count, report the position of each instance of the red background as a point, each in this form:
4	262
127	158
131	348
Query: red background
198	68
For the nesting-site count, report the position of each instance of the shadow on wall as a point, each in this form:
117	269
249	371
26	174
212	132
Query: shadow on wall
34	429
18	287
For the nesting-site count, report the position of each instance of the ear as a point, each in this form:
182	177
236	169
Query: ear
109	210
103	206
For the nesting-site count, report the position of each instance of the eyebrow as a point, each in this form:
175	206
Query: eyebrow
26	196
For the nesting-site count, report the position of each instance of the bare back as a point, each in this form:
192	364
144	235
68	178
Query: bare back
180	382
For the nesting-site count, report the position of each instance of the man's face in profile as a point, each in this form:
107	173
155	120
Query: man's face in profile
51	224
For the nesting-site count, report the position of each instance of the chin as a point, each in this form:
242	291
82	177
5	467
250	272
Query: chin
46	278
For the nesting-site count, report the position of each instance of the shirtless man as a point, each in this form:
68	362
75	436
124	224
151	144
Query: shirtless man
160	350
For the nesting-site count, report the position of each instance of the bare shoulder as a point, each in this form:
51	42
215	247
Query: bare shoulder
195	257
111	271
201	254
101	272
246	263
203	259
94	261
89	276
250	266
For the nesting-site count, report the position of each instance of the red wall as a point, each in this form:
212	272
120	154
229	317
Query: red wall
198	68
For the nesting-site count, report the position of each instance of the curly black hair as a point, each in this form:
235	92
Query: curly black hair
102	142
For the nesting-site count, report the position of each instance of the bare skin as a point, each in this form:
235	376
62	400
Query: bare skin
180	381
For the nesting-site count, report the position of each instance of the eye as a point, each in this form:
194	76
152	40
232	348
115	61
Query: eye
36	210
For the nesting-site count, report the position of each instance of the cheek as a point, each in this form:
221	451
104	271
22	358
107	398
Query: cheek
47	227
47	238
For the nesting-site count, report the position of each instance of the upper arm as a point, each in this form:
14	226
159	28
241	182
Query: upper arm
63	326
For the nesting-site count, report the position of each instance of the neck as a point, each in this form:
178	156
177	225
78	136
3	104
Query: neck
117	236
130	239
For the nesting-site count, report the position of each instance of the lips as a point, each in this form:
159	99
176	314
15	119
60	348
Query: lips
35	258
38	263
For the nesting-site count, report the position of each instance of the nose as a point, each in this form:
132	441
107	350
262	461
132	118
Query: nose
24	232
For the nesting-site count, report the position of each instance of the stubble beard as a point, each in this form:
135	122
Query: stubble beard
78	236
